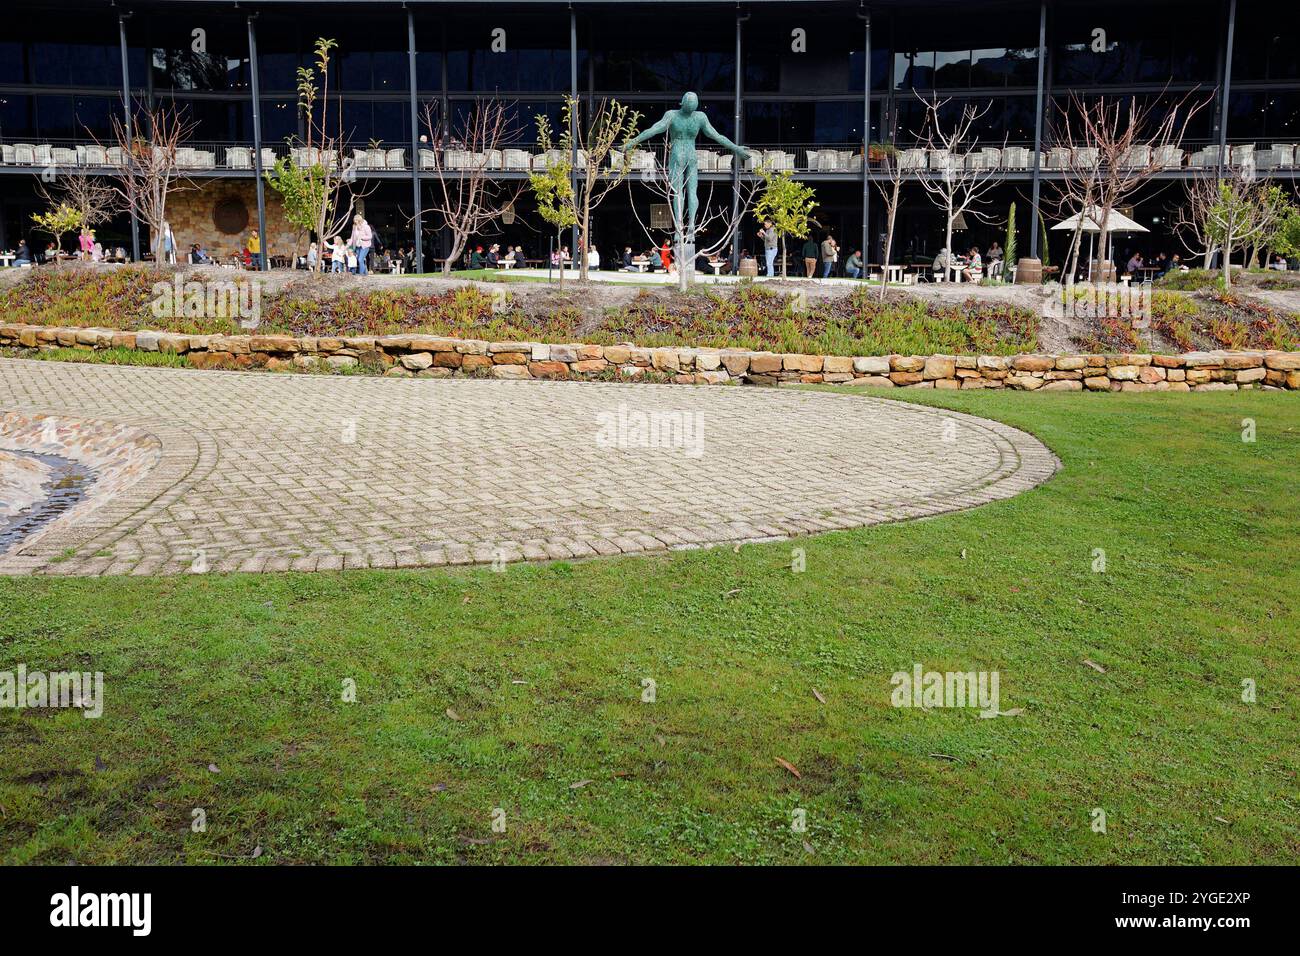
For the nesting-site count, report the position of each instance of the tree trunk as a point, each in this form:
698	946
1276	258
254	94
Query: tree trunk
950	269
889	245
784	268
1227	258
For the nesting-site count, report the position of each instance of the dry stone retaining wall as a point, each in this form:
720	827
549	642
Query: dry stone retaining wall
428	356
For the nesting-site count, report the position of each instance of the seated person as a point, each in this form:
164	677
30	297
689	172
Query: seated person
974	270
1161	264
853	268
1278	264
476	258
493	257
24	256
941	263
1134	264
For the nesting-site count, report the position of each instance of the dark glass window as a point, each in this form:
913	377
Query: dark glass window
644	53
17	117
1114	43
511	53
198	53
1264	46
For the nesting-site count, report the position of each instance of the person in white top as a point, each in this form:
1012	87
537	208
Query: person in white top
593	258
339	260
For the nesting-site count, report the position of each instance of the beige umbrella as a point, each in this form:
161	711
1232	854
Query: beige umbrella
1091	218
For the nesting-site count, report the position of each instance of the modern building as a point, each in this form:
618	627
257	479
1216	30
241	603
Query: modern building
785	77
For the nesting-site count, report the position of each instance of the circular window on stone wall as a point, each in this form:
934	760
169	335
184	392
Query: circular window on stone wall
230	216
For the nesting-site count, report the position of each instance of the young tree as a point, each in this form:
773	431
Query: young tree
609	126
1123	146
94	198
467	198
147	172
58	221
321	193
1223	215
891	191
553	189
789	204
956	188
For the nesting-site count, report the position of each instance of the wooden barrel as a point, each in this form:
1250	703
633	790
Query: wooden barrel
1029	271
748	267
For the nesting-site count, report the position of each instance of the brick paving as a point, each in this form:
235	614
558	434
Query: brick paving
274	472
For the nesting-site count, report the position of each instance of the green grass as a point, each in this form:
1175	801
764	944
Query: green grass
543	666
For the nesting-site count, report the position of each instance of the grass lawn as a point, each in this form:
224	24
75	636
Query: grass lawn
522	690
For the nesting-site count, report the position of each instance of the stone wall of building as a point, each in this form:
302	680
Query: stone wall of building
221	214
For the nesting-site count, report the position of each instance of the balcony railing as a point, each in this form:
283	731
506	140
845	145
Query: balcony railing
810	158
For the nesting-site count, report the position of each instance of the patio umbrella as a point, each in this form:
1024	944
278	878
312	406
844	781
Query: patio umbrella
1091	219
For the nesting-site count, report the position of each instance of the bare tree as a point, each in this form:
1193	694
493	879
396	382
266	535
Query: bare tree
891	191
1128	143
94	198
1076	192
144	161
957	187
609	125
718	220
1229	213
468	198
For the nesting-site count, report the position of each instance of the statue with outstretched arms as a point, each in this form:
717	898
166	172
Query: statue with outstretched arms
683	125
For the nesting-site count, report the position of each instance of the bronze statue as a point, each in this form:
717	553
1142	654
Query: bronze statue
683	125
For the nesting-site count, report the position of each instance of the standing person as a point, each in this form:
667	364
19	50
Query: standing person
593	257
311	257
86	243
255	250
830	254
168	244
338	255
666	257
810	256
361	240
769	236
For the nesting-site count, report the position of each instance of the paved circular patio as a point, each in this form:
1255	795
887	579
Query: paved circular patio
268	472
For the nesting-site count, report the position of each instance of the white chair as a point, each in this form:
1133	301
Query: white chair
1286	153
428	159
992	157
1169	157
6	154
912	159
1086	157
375	158
643	160
939	159
395	159
24	154
494	158
239	157
63	156
1058	157
268	157
1242	155
184	157
115	156
1015	157
204	159
95	156
518	158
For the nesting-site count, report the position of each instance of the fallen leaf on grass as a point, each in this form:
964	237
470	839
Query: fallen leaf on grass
791	767
99	763
808	847
818	695
1095	666
452	714
519	682
579	784
732	593
257	851
1221	820
944	756
439	787
213	768
1013	712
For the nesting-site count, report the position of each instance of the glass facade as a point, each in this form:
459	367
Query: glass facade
801	72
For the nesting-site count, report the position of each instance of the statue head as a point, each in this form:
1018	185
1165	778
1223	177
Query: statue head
690	103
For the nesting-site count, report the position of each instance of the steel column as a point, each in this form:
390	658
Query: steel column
1035	219
415	145
1226	90
264	251
128	127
